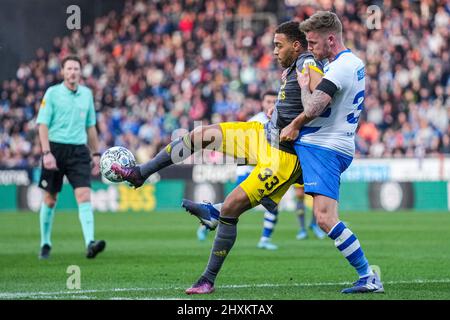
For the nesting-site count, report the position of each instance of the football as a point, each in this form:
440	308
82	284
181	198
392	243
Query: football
119	155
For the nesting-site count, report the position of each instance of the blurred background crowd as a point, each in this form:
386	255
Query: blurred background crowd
161	66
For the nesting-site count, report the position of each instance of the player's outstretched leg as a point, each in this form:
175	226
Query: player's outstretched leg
175	152
270	220
205	212
235	204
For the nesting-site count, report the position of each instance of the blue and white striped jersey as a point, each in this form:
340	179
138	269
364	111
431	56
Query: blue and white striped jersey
335	128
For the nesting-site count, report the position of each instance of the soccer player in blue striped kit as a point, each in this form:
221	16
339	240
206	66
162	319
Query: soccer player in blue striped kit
324	135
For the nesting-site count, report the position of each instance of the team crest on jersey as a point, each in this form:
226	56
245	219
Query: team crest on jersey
43	104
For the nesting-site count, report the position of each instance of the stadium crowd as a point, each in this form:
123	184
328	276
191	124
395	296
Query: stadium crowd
162	66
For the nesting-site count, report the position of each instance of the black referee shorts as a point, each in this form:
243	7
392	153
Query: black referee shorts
73	161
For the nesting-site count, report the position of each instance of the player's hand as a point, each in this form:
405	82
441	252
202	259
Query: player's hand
289	133
49	162
95	166
270	112
303	78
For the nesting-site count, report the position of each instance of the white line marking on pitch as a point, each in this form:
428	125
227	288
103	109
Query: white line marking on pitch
73	293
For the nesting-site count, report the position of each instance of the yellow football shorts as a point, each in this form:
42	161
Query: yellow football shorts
275	170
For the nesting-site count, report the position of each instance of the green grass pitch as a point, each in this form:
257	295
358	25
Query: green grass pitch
156	256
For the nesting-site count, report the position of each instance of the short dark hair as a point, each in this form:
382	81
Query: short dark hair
292	31
70	58
269	93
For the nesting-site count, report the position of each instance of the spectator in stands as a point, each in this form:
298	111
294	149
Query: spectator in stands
158	67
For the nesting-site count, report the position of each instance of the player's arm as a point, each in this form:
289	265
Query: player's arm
48	160
43	138
93	138
93	146
309	79
312	68
314	104
44	119
316	76
91	120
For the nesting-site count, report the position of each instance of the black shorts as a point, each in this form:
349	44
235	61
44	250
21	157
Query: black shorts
73	161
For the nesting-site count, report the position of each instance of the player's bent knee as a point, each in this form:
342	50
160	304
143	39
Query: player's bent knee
50	203
235	204
324	225
50	200
83	195
206	137
324	219
229	210
83	198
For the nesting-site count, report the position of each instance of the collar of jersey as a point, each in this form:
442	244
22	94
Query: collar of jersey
292	66
340	53
70	91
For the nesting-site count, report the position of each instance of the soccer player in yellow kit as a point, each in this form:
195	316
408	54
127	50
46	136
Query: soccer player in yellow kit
276	164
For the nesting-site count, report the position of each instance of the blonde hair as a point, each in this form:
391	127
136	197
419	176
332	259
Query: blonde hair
321	22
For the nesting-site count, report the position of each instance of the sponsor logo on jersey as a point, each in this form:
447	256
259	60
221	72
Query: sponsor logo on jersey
361	73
